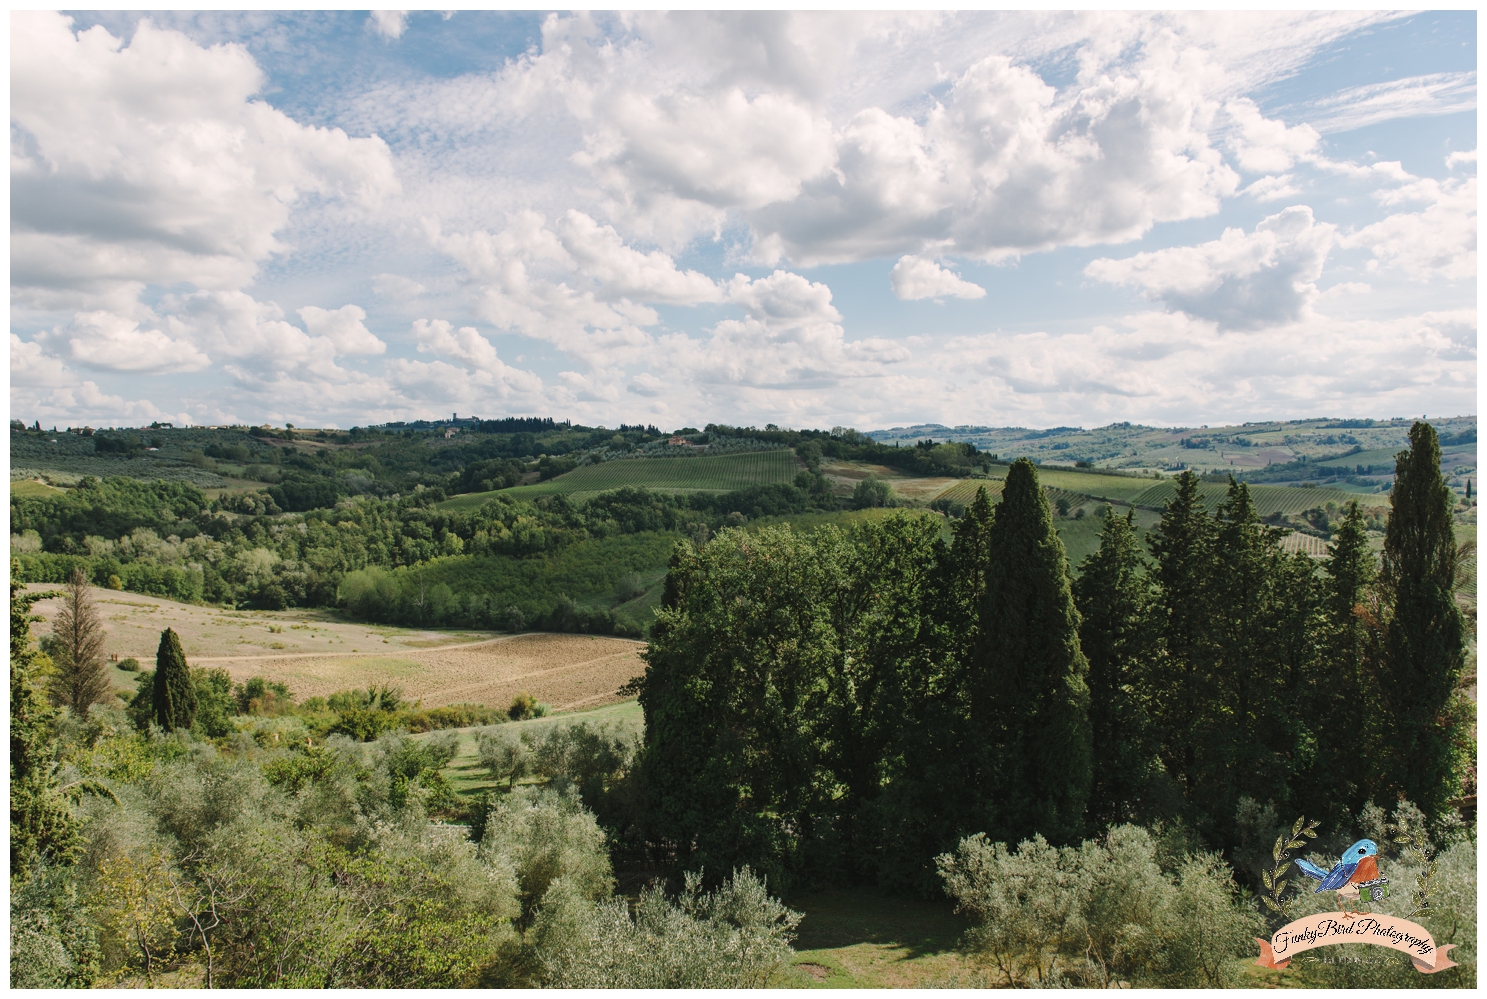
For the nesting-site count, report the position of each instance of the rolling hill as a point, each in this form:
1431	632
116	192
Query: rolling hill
723	473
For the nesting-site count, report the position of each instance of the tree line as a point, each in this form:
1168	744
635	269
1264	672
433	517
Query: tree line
168	539
849	704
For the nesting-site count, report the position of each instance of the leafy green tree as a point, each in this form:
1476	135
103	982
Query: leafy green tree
1029	701
1117	632
733	693
888	731
173	692
1424	636
871	492
41	823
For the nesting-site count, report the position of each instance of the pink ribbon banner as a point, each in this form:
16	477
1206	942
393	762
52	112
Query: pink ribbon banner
1327	928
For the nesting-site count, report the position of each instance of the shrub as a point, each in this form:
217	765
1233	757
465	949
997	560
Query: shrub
731	938
545	836
1099	913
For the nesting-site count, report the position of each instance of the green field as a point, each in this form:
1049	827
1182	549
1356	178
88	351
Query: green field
723	473
589	571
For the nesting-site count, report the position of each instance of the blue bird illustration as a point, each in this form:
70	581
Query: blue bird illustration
1359	864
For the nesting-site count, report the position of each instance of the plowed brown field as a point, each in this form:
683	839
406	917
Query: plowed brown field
316	654
565	671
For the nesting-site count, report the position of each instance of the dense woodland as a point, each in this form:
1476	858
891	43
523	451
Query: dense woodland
864	698
1072	762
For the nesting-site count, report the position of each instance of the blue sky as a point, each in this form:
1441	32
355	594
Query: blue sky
340	218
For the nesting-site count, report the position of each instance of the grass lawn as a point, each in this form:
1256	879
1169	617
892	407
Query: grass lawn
864	938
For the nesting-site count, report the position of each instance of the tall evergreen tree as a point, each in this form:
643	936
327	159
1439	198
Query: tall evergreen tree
1118	636
80	678
1026	677
1183	544
1424	636
1342	696
41	823
174	694
1261	601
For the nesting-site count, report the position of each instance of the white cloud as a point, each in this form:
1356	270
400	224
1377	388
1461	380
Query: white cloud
1267	145
151	163
915	277
343	327
390	24
1410	97
621	272
113	343
1170	368
1461	156
1273	188
397	288
1240	280
44	389
1439	241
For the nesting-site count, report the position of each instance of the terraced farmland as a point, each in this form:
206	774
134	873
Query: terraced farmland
1267	499
965	490
723	473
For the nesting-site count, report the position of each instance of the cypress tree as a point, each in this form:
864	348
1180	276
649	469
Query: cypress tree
1261	603
174	696
80	678
1424	638
1342	694
1028	698
1116	632
1184	547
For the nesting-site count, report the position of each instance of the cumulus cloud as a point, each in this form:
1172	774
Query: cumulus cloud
1439	241
1002	163
576	285
151	163
43	386
915	277
343	327
1167	367
597	252
1241	280
108	342
1267	145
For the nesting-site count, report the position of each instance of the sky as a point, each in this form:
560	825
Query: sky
344	218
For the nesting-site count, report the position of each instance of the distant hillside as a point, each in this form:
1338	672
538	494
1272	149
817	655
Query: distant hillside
1356	455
